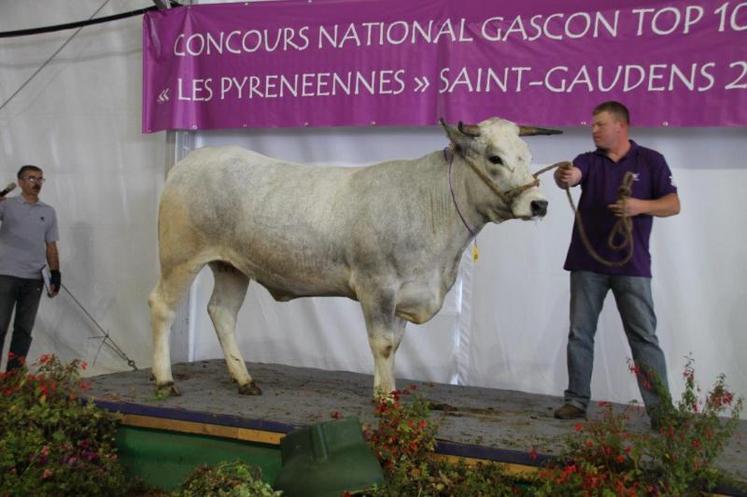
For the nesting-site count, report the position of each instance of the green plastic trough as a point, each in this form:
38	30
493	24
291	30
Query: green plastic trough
163	459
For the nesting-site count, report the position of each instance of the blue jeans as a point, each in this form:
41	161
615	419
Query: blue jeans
23	294
636	307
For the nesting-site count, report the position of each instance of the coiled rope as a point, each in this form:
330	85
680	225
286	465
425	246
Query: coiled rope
623	228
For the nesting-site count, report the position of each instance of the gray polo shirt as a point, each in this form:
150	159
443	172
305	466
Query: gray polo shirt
25	230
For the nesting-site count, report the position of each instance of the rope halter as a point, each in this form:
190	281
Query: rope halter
507	197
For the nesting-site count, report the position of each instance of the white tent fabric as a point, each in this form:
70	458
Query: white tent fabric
79	119
504	324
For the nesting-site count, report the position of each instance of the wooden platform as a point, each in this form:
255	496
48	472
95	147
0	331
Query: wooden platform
474	422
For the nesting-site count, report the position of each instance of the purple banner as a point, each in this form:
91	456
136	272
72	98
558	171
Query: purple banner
409	62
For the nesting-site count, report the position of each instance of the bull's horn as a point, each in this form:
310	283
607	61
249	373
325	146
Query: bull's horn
471	130
458	137
533	130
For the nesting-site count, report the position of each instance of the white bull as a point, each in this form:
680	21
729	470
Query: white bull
390	235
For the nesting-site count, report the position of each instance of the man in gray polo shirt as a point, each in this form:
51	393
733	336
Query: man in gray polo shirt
28	242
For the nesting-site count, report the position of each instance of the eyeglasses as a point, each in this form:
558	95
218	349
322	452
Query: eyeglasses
34	179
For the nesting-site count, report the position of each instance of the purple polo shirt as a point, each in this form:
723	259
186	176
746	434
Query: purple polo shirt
599	183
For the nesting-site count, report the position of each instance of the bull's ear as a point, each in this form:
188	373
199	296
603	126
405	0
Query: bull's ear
458	137
533	130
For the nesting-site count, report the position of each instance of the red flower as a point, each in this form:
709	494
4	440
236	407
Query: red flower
335	415
533	454
633	367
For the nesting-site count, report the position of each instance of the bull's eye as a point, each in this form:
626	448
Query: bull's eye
494	159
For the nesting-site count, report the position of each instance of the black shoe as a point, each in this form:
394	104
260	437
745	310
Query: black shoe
569	411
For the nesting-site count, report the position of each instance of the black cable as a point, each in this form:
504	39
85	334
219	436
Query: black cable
105	338
51	57
79	24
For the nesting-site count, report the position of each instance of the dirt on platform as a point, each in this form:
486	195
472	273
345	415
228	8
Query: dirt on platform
487	417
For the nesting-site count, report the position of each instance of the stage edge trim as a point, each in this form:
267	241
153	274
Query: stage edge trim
273	438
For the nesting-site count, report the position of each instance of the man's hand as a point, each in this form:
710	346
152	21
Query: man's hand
628	207
567	175
55	282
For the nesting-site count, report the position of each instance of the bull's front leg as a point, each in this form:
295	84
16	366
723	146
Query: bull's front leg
385	332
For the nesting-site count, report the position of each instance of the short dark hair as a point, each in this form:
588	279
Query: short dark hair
615	108
28	167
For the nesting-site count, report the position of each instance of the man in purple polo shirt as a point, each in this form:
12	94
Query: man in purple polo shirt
653	193
28	242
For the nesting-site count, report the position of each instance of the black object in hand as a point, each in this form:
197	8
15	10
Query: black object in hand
55	280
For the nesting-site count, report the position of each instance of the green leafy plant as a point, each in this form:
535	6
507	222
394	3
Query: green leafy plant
404	441
606	459
692	434
52	443
404	436
229	479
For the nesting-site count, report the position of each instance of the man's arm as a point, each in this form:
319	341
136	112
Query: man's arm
53	257
567	176
668	205
53	261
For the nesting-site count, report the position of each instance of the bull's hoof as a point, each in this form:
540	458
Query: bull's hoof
167	390
250	388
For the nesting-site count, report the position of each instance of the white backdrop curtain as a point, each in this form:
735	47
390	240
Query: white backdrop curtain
504	324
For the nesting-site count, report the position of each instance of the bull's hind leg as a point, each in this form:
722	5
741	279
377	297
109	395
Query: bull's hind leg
163	301
228	295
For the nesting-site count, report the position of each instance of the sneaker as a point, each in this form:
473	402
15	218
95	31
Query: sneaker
569	411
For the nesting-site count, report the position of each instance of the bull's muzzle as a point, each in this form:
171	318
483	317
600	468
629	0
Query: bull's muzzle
539	207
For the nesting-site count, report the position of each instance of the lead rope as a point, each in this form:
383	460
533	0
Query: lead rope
449	157
623	227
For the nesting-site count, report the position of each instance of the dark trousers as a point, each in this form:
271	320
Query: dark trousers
23	294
